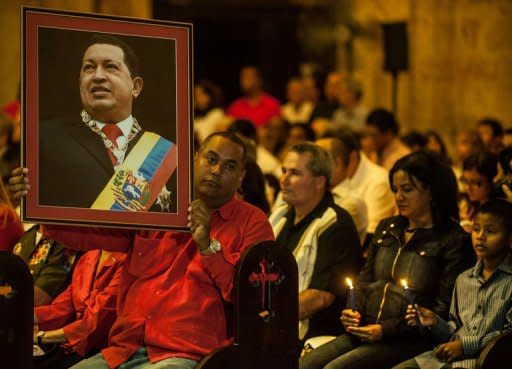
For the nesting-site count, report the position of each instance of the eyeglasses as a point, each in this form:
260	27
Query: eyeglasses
472	183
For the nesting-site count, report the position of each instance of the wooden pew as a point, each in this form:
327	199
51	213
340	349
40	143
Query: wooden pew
266	312
16	312
496	355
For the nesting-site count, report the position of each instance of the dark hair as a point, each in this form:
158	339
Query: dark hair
213	91
415	140
231	136
383	120
494	124
483	162
505	160
253	187
439	140
499	208
244	128
130	59
345	140
435	176
6	126
308	131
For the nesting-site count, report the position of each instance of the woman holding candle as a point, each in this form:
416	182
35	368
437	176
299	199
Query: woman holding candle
424	245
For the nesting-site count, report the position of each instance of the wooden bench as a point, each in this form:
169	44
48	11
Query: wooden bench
496	355
266	312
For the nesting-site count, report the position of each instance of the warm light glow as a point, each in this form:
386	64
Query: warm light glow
404	283
349	282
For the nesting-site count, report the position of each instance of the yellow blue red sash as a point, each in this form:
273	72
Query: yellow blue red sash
137	182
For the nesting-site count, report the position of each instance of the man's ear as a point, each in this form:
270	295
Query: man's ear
320	182
138	83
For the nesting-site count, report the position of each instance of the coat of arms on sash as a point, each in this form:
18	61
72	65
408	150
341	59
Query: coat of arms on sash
131	189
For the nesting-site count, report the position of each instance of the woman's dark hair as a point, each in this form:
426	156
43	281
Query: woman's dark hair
437	137
435	176
484	162
253	187
214	92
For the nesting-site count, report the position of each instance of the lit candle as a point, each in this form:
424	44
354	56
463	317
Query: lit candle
352	301
409	297
408	294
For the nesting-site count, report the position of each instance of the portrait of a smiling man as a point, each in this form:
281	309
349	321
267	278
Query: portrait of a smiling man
101	154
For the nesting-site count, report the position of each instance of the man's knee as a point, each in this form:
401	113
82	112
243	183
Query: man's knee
409	364
94	362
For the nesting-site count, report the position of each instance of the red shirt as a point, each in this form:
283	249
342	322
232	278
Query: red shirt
11	229
171	298
266	108
87	308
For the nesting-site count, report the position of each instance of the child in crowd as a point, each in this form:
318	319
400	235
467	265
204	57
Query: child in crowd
481	306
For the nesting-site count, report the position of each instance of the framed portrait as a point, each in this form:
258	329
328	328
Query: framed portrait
106	117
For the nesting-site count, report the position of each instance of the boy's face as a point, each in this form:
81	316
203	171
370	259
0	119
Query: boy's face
490	237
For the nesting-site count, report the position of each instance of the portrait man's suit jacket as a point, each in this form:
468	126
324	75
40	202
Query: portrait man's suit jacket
74	164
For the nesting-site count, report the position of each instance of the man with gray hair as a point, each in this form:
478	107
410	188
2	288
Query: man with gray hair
351	113
321	235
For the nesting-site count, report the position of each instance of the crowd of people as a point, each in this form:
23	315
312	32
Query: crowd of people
422	229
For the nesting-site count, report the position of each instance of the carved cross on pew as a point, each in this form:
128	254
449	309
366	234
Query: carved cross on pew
265	279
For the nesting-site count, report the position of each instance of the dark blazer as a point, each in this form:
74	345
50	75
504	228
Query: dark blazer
49	262
74	165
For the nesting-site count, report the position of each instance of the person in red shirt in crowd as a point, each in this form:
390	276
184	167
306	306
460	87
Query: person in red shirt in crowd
173	290
11	229
256	105
78	321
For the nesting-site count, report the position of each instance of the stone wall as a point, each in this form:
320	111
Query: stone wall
460	57
10	26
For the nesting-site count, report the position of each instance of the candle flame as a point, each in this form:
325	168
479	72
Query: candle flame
349	282
404	283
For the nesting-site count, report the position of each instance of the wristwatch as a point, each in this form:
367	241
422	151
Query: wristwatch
213	248
40	336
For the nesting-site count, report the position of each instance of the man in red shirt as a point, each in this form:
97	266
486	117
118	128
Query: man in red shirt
255	105
174	287
80	318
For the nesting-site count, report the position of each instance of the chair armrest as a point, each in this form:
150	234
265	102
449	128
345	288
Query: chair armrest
498	348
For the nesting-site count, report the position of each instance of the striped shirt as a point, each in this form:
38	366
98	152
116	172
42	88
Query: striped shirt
480	310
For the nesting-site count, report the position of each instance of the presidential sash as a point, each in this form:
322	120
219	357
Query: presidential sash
138	181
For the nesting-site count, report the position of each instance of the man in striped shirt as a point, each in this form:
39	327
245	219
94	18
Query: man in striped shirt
482	291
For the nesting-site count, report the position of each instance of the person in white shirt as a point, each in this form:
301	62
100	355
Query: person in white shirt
352	113
297	110
355	205
361	178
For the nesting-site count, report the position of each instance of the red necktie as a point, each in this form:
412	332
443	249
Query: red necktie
112	132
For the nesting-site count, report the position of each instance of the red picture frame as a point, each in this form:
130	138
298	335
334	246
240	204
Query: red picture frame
52	60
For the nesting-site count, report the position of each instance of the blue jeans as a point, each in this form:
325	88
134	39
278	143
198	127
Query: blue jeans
139	360
348	352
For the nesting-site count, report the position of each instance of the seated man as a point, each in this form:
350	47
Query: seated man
358	176
355	205
481	305
80	318
321	235
175	285
49	262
